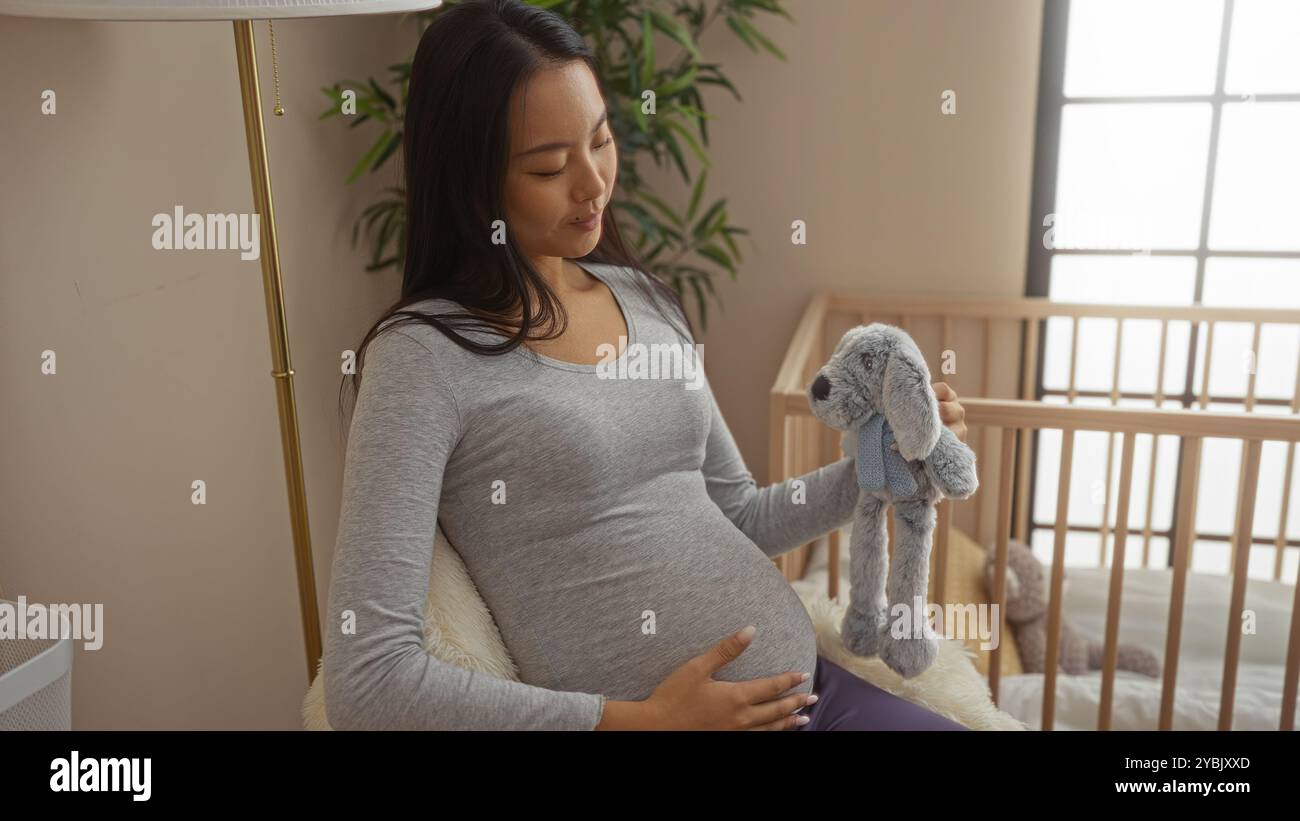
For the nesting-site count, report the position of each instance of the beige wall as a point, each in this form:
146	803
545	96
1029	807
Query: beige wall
163	357
849	137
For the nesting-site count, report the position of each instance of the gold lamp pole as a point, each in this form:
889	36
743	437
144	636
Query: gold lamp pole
242	14
281	362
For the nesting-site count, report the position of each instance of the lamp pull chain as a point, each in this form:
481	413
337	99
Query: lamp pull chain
275	72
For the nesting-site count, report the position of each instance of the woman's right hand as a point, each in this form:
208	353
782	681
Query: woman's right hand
691	699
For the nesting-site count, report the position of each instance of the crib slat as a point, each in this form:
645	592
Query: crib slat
1110	444
1205	369
943	526
1187	487
1234	545
1027	391
984	429
1151	500
1292	677
1116	582
1279	544
1291	681
1023	457
1243	534
1155	445
1006	472
1104	530
1234	541
1058	580
1071	393
1196	471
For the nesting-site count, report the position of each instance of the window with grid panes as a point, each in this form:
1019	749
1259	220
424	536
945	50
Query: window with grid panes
1167	172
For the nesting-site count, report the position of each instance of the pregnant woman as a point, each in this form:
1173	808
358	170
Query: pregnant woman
610	524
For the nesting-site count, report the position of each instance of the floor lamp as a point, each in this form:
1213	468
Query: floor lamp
242	13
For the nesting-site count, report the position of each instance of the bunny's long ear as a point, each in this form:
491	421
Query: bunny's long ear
910	404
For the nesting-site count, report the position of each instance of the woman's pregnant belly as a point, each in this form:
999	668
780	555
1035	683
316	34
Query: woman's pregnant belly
616	605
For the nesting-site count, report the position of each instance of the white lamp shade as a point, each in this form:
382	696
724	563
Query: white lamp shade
206	9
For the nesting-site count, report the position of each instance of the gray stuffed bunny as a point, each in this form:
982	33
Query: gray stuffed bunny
1026	612
876	387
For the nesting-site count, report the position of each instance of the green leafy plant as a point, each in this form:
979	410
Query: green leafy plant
685	247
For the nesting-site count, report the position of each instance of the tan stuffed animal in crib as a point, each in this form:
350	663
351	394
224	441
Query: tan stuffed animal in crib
1026	613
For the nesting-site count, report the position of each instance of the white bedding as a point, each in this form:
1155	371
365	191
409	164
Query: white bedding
1144	620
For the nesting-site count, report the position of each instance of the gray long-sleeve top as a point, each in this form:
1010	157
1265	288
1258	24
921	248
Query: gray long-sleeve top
610	525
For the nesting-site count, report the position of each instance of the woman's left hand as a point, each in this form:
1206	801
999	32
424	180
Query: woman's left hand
951	413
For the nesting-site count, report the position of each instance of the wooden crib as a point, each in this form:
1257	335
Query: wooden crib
1006	412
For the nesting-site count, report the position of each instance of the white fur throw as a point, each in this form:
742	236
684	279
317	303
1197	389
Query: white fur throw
459	629
951	687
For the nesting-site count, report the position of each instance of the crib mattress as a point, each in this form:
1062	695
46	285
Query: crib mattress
1144	620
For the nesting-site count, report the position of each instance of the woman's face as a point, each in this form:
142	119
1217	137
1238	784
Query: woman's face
562	163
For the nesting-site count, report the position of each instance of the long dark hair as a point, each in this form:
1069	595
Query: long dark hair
455	151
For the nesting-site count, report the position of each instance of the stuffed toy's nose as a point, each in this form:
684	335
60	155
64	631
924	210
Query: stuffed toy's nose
821	387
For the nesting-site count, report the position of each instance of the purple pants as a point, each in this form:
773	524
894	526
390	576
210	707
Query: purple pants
847	702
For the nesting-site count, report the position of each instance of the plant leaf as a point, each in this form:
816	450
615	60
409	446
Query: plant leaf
767	44
647	50
772	6
724	82
731	243
662	207
701	303
675	151
695	194
716	254
700	231
741	33
369	158
674	30
675	85
383	95
393	143
690	140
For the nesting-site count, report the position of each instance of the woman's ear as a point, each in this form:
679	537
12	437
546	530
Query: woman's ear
910	404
